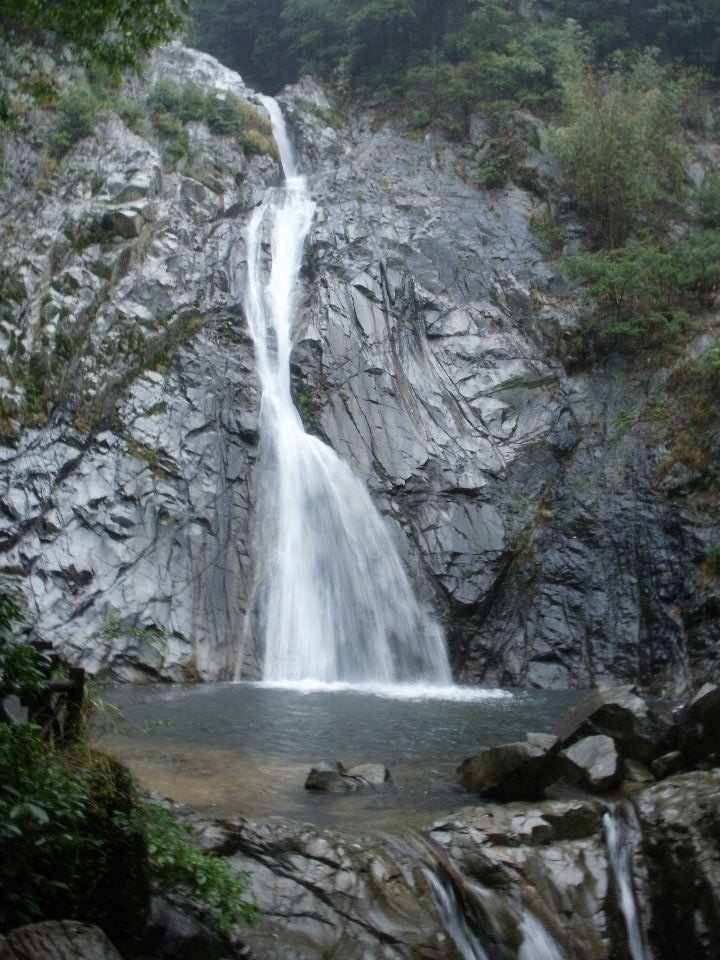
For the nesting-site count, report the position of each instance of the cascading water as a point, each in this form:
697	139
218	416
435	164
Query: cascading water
332	601
619	850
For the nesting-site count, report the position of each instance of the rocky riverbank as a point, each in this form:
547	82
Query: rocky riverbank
585	870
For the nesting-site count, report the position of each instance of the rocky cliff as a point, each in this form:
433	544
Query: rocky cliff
429	342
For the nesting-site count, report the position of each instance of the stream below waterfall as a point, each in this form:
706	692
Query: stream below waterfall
245	749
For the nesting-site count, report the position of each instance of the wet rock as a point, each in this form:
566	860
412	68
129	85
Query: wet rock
336	778
680	821
668	764
512	770
699	724
369	774
592	762
172	933
639	732
57	940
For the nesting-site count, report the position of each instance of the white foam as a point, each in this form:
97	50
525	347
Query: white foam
392	691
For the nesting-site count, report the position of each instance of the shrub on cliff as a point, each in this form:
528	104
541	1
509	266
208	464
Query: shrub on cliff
618	144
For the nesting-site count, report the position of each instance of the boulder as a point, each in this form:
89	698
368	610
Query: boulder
699	724
329	778
173	933
337	778
680	821
512	771
668	764
592	762
57	940
640	733
369	774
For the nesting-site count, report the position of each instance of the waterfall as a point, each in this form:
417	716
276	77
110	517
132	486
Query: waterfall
484	924
619	849
331	601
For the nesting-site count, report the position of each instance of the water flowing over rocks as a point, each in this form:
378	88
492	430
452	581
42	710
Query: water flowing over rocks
427	356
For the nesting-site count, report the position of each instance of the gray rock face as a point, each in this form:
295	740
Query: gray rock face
57	940
680	820
427	355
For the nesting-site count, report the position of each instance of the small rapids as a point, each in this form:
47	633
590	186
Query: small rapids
483	924
619	845
331	601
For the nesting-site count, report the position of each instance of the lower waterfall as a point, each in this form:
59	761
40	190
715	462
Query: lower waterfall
617	838
331	600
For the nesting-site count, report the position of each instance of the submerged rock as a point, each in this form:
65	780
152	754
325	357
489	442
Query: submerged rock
336	778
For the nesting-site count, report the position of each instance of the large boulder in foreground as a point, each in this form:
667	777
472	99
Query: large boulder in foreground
57	940
680	821
512	771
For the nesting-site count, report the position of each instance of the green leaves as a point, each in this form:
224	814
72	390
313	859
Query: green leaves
617	145
116	33
640	295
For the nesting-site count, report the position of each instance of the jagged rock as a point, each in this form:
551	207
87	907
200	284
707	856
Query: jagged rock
428	343
639	732
668	764
172	933
57	940
699	724
635	772
680	820
593	762
336	778
512	770
369	774
330	778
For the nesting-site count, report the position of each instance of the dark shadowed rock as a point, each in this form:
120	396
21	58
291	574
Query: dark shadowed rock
174	934
639	732
680	820
57	940
699	725
668	764
511	770
336	778
330	778
592	762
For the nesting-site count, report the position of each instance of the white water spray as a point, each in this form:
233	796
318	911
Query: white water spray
332	601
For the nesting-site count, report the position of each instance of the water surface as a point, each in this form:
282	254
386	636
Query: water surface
245	749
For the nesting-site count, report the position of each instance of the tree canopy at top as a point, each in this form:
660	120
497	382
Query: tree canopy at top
113	32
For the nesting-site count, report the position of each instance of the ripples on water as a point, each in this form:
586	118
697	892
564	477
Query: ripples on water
245	748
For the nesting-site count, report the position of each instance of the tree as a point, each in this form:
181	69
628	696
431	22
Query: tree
616	144
115	33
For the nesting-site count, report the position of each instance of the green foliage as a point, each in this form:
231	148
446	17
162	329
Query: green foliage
617	145
22	666
679	29
225	115
115	33
76	840
75	117
693	434
640	294
706	202
177	865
